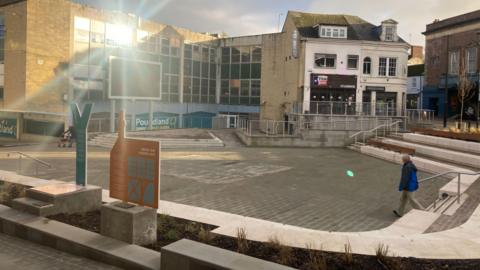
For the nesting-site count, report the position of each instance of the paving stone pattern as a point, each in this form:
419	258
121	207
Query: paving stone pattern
303	187
19	254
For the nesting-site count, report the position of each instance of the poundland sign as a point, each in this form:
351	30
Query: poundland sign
166	122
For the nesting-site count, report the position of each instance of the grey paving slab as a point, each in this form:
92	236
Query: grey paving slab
18	254
302	187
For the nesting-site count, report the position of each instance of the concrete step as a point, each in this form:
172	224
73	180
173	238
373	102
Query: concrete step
428	165
414	222
451	156
34	207
443	143
40	196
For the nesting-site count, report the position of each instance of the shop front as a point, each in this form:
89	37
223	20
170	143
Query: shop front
332	94
381	101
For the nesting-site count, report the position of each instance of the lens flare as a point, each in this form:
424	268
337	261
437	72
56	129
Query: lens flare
350	173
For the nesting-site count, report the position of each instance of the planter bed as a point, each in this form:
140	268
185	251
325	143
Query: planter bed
172	229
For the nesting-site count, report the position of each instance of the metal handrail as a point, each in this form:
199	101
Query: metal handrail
37	161
396	123
459	175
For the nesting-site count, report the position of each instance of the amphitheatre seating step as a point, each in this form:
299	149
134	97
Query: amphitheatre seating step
424	164
393	147
445	143
108	141
448	134
451	156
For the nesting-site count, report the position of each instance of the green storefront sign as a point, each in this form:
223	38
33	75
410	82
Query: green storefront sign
8	128
142	123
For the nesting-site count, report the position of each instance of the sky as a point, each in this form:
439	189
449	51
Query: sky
249	17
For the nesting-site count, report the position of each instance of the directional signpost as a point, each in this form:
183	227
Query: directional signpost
134	178
80	122
135	169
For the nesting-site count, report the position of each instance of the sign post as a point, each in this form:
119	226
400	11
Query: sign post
80	122
135	169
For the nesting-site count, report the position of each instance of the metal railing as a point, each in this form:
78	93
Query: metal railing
387	128
293	128
420	115
459	175
28	157
268	128
350	108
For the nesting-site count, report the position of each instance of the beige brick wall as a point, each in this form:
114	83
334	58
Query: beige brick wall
282	74
15	56
48	52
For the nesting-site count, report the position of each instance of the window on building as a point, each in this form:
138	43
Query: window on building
382	66
257	55
225	55
235	55
453	63
413	82
238	75
1	92
392	67
352	62
118	35
389	33
333	32
325	60
387	67
472	60
82	29
188	51
367	65
245	51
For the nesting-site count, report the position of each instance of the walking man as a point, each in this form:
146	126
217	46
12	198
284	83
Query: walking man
408	186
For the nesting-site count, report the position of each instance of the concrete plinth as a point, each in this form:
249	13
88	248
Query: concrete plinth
66	198
135	225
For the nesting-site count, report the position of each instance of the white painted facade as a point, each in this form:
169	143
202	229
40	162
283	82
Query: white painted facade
342	48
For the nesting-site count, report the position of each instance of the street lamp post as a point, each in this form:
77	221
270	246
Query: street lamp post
478	81
445	102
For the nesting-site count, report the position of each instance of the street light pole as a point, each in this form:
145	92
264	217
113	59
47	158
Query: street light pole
445	102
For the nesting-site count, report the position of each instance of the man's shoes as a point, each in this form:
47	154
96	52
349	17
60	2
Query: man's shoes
397	214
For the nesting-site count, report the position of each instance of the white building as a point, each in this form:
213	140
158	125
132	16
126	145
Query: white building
350	60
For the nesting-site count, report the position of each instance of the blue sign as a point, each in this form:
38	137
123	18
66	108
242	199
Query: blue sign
80	122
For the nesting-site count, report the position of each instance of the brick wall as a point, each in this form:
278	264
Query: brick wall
15	55
436	59
48	51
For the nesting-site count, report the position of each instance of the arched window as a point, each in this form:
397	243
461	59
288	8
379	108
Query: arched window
367	65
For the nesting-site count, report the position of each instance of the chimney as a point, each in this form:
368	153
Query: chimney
416	52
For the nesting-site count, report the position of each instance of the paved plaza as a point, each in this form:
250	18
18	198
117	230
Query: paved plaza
304	187
20	254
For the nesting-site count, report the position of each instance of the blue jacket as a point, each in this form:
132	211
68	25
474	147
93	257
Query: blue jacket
409	180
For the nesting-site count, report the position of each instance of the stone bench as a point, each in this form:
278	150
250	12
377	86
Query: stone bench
190	255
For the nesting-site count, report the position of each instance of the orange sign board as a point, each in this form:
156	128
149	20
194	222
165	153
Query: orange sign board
135	169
